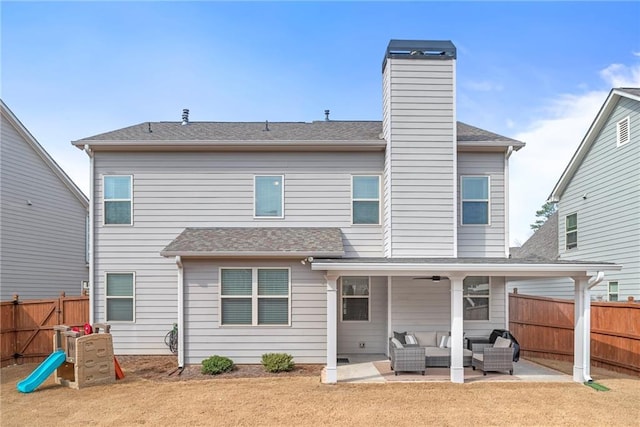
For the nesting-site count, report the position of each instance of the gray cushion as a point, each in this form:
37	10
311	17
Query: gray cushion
502	343
426	339
400	337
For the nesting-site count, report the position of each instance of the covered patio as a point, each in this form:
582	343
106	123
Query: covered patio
375	368
398	270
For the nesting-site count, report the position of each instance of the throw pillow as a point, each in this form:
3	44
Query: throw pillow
443	342
448	342
400	337
396	342
410	339
502	342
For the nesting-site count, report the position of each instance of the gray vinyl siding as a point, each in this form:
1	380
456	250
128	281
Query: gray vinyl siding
42	245
172	191
420	126
305	339
423	305
609	217
484	240
373	332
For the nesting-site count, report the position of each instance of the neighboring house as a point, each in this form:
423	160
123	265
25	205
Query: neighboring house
309	238
598	197
43	220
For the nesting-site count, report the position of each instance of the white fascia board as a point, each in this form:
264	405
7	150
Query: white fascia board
205	145
443	269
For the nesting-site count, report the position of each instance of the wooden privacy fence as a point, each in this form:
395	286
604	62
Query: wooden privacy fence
26	327
544	328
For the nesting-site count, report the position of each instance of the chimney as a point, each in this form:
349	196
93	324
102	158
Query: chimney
185	116
419	117
326	115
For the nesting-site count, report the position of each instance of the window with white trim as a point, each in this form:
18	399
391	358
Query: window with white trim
475	200
365	199
613	291
254	296
355	299
571	231
269	196
477	296
623	131
118	199
120	297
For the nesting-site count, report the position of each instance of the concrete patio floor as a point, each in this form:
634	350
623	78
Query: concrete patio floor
375	368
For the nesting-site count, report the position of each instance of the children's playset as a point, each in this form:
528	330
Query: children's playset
80	359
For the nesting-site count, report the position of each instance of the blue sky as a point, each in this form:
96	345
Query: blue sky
537	72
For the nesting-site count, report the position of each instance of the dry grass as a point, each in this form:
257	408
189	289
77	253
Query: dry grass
301	400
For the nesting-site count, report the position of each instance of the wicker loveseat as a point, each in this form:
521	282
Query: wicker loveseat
433	350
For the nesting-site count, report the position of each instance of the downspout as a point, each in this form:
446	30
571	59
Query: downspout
87	149
586	298
507	236
180	313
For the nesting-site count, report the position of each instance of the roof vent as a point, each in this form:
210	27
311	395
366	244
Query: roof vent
266	126
326	115
185	117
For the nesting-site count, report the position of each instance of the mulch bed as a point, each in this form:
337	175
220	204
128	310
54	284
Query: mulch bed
164	368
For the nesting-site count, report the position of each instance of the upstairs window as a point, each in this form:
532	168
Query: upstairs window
476	295
118	202
365	196
254	296
475	200
613	291
269	196
623	131
571	231
355	299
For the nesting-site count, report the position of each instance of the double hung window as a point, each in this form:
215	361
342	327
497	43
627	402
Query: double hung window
475	200
254	296
120	296
365	196
118	200
476	295
571	229
355	298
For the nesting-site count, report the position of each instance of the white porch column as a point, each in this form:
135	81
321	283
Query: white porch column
331	370
582	328
578	330
457	325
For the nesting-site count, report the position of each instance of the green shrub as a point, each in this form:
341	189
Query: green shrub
277	362
216	365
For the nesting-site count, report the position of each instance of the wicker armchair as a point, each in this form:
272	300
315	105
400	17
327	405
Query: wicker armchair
407	359
496	357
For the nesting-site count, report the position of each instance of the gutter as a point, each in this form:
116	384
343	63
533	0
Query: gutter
180	313
87	149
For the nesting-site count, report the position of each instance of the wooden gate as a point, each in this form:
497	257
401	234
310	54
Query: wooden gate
26	328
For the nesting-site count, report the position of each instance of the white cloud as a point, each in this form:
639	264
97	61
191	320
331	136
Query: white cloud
551	141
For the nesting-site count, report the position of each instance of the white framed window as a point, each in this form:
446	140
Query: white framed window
118	199
571	231
613	291
120	297
623	131
475	200
477	297
355	299
268	198
365	199
255	296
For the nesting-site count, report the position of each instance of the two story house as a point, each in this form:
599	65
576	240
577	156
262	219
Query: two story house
309	238
598	196
43	219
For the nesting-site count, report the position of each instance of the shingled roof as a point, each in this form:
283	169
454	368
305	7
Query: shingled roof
277	131
543	244
254	241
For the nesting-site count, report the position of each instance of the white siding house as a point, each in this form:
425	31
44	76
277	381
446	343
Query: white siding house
308	238
43	220
598	197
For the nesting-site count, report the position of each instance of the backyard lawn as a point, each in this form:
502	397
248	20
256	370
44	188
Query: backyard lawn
301	400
